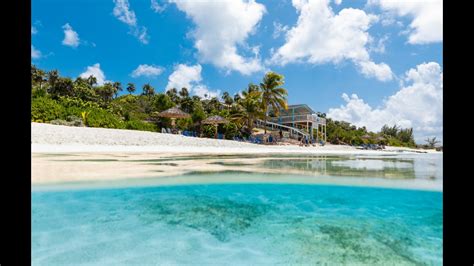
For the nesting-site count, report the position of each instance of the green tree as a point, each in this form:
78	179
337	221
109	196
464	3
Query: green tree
117	87
130	88
161	102
105	92
148	90
62	87
184	93
273	95
228	100
431	142
53	77
237	97
92	80
249	108
38	76
173	94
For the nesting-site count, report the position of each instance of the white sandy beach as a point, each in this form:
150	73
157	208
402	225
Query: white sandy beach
62	154
47	138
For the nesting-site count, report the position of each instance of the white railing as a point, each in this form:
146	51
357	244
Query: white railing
298	118
293	131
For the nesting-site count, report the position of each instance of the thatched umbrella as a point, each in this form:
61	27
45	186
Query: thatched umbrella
173	113
215	120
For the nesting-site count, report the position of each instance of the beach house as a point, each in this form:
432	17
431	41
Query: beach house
298	120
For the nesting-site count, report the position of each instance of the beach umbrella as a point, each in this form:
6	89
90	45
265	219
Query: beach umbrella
366	136
173	113
215	120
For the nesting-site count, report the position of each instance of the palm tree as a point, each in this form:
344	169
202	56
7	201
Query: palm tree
173	94
53	77
273	94
92	80
38	76
184	93
117	87
432	142
228	100
237	97
249	109
148	90
130	87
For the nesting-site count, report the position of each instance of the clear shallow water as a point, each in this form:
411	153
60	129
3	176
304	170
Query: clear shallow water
237	224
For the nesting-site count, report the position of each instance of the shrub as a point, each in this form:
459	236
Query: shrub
75	121
140	125
60	122
46	109
101	118
230	130
208	131
184	123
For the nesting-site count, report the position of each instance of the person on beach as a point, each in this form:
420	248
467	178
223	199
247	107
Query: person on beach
281	134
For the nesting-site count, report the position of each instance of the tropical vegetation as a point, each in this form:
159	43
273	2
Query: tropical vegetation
84	102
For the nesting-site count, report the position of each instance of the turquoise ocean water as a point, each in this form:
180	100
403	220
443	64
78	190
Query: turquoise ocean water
237	224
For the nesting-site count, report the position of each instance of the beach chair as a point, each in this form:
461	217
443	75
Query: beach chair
163	130
169	130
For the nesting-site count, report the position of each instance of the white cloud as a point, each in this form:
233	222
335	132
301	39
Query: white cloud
370	69
279	29
203	92
320	37
71	38
189	77
147	71
379	46
33	30
141	34
95	71
157	8
123	13
337	2
418	105
184	76
222	27
427	15
35	54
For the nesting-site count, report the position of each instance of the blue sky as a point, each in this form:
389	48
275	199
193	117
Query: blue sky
366	62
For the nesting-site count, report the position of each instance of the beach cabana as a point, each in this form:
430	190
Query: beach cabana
215	120
173	113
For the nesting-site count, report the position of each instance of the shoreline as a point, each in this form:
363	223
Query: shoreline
47	138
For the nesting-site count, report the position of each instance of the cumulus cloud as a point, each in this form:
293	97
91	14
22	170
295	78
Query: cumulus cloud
147	71
221	28
123	13
418	104
71	38
427	18
157	8
189	77
321	36
95	71
33	30
370	69
203	92
35	54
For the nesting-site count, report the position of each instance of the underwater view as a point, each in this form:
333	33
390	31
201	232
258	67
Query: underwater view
313	210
